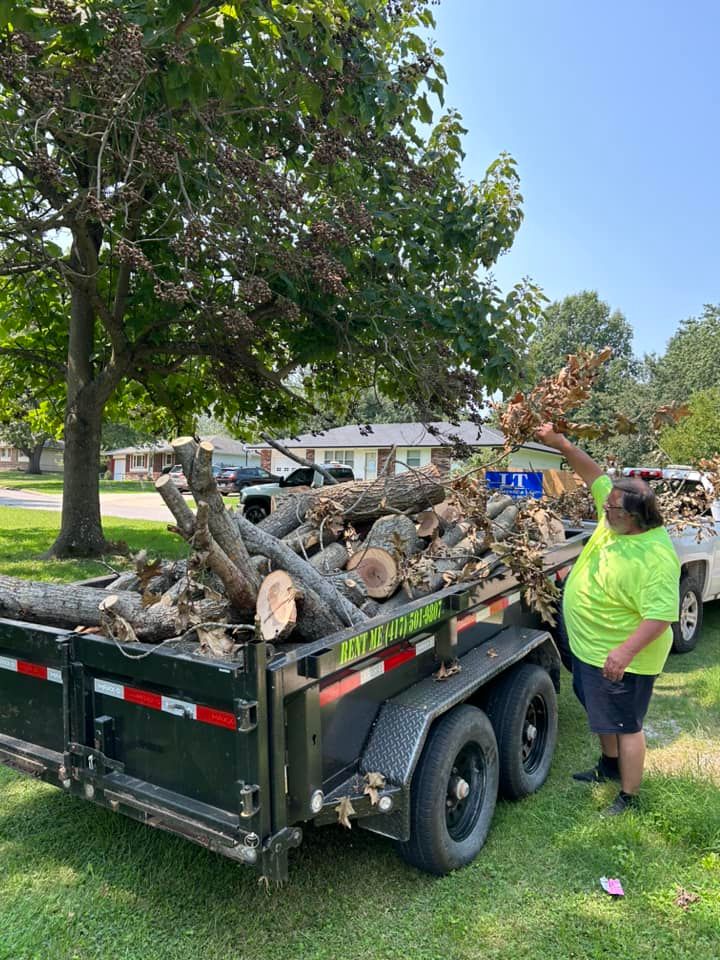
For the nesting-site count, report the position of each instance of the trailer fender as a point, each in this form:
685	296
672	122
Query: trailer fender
399	733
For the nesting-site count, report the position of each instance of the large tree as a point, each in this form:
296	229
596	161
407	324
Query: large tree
231	192
696	436
691	362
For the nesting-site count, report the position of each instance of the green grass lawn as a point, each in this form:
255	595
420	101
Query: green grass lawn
80	883
53	483
25	534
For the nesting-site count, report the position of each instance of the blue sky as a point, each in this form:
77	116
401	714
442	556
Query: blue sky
611	110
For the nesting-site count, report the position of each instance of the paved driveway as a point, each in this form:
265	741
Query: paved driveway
131	506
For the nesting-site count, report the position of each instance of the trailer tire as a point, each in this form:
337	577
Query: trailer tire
447	830
522	708
686	631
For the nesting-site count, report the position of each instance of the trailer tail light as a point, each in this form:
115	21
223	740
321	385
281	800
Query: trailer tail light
646	474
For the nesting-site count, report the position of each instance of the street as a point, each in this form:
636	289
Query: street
132	506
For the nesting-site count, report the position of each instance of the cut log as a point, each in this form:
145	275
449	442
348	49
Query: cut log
195	529
366	500
497	503
504	525
302	572
308	536
288	516
277	606
455	533
351	587
197	464
427	523
64	605
284	608
331	559
379	560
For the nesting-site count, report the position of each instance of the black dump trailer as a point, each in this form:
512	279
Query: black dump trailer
410	727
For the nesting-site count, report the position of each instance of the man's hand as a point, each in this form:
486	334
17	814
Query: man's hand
550	437
617	663
579	461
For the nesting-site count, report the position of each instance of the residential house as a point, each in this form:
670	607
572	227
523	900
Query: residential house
51	459
140	462
414	446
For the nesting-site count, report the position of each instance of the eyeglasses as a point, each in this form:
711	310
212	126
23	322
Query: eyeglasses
607	507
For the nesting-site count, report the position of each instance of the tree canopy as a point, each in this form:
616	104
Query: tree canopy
691	362
233	192
697	436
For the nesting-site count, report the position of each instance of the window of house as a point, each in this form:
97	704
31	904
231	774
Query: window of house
340	456
412	458
168	459
5	453
138	461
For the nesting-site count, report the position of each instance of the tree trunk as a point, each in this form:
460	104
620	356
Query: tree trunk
88	389
81	533
65	605
34	454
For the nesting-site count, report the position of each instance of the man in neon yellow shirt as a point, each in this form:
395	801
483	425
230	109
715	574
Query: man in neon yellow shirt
619	602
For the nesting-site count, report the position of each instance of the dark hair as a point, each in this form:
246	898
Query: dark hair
638	499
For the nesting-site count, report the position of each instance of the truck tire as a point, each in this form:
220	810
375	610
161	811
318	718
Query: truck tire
522	708
255	512
687	630
453	795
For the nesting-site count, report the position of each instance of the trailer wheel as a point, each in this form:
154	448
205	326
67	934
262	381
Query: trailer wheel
522	708
687	630
453	793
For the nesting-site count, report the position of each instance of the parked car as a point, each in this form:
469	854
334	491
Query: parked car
257	501
235	479
178	477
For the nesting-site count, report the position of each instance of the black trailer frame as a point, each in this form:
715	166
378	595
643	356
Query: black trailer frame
236	756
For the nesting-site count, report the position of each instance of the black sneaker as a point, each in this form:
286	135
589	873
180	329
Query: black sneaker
622	802
600	773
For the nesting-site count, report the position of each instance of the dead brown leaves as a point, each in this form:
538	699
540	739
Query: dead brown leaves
374	783
447	669
344	811
552	398
685	898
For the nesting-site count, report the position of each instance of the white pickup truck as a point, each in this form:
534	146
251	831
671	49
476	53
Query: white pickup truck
699	558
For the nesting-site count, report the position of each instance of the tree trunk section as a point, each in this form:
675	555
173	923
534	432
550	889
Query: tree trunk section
304	574
331	559
67	606
379	560
285	607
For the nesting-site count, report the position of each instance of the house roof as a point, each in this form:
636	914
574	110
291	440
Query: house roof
401	435
222	445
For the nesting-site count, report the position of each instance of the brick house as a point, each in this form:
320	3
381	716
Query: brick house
367	452
138	463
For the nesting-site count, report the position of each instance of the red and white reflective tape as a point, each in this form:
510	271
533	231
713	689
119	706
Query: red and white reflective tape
488	611
389	660
30	669
156	701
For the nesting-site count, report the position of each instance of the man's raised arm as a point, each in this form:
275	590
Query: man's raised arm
580	462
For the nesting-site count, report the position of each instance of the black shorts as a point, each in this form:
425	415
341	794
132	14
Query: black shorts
612	706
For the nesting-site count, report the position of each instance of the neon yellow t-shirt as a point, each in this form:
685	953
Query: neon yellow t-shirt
620	580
